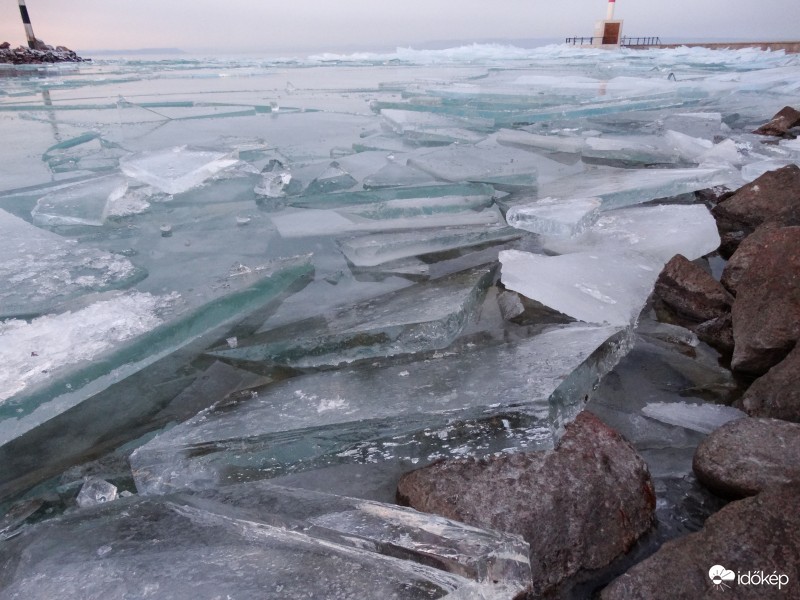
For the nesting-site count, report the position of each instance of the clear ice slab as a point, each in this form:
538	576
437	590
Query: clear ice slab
482	400
134	548
426	316
380	248
40	269
704	418
176	170
551	216
85	203
482	555
110	398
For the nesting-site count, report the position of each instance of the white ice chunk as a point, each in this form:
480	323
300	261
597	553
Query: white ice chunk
85	203
176	170
96	491
704	418
596	287
551	216
532	141
755	170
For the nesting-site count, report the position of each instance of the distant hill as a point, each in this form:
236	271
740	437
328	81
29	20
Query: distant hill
137	51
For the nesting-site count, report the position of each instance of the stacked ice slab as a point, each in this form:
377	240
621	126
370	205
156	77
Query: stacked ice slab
260	541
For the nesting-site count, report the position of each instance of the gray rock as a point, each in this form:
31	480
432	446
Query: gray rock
776	394
717	333
748	455
761	533
781	123
774	197
691	291
766	312
578	506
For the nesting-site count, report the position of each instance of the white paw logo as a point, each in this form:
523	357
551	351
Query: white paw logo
719	575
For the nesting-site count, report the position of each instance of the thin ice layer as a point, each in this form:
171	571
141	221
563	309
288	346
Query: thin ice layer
379	248
178	169
552	216
596	287
482	555
624	187
40	269
136	548
434	408
426	316
428	214
704	418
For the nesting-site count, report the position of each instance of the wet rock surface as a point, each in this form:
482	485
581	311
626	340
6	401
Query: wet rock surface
776	394
766	313
771	198
746	456
761	533
691	291
579	506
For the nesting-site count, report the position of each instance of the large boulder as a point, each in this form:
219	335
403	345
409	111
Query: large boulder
691	291
781	123
777	393
745	456
751	247
578	506
772	198
758	534
766	312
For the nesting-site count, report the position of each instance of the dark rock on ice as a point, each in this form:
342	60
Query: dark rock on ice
772	198
761	533
578	506
776	394
750	248
717	333
691	291
745	456
781	123
766	313
5	46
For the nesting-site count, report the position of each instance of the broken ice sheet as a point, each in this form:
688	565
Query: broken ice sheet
624	187
657	231
84	203
40	270
141	547
426	316
552	216
178	169
482	555
38	425
379	248
411	411
704	418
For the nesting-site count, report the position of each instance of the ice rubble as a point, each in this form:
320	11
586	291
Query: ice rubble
426	316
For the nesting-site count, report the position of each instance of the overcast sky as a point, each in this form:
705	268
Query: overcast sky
315	25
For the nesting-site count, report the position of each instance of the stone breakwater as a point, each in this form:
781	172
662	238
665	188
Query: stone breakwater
43	54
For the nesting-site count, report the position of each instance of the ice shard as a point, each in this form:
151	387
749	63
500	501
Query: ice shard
41	270
379	248
394	200
175	170
426	316
454	403
551	216
704	418
135	548
109	398
84	203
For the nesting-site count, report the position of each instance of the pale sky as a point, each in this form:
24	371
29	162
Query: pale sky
317	25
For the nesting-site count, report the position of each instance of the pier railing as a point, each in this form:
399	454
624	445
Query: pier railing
580	41
626	41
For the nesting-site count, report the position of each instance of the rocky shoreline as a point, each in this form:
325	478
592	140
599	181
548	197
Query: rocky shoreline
582	506
42	54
